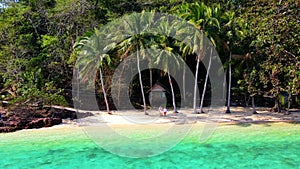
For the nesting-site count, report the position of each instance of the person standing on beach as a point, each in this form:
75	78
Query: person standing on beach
165	111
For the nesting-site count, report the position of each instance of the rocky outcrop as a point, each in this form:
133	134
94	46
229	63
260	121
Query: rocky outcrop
63	113
43	122
29	118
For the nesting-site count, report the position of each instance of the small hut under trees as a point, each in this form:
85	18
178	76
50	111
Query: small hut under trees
157	95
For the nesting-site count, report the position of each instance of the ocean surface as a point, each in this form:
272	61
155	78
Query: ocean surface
267	145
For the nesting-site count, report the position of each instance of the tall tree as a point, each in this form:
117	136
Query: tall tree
274	43
93	54
36	45
206	20
233	31
136	26
166	58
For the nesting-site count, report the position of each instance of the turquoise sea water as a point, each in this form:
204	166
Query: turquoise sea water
274	145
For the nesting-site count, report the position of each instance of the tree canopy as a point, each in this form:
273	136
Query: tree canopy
37	40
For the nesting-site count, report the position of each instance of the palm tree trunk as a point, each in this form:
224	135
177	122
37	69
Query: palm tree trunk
173	95
141	82
183	85
104	92
229	86
150	97
196	85
253	105
224	88
205	83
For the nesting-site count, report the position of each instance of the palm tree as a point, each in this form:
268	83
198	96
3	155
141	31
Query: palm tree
165	57
205	20
93	56
136	26
186	49
190	13
232	34
212	28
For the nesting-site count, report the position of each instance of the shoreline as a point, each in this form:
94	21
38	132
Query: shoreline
239	116
217	114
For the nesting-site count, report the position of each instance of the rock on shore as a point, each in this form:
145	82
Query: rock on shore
29	118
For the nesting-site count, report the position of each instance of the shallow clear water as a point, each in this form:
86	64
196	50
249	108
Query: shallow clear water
231	146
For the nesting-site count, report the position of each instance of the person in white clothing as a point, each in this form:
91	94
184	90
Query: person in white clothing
165	111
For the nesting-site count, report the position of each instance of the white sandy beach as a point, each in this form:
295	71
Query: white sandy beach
238	115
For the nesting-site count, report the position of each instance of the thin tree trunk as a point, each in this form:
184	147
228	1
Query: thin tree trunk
205	83
104	92
229	86
253	106
183	85
173	95
196	74
224	88
141	82
196	85
150	97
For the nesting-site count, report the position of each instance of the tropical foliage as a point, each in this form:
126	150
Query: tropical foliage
40	42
